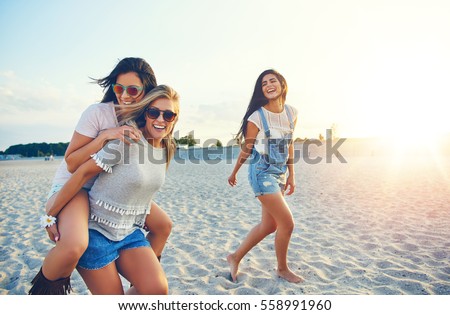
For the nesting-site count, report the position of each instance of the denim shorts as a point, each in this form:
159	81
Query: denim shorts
266	178
54	189
57	187
101	251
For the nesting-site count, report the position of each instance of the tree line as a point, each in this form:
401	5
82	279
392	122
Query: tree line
37	149
59	149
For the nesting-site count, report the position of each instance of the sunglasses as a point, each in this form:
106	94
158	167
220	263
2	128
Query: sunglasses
132	90
154	113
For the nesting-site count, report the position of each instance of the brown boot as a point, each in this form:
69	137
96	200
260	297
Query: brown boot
43	286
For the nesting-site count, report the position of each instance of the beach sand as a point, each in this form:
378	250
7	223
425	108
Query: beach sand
374	225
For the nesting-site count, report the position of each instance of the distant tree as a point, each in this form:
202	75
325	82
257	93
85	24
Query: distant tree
321	138
219	144
58	148
189	140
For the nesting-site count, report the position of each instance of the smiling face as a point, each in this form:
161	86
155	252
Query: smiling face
127	79
271	87
157	129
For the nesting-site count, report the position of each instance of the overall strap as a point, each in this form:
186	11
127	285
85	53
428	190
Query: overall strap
288	112
264	122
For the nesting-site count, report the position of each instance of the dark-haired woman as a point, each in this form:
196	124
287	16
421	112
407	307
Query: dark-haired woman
120	199
127	84
267	128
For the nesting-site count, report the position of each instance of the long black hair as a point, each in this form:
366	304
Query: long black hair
126	65
258	99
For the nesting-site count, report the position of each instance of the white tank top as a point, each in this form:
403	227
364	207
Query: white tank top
278	125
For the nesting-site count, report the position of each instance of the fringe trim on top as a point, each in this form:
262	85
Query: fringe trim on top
98	161
111	224
43	286
122	211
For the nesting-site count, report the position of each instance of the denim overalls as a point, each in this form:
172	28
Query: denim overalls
267	172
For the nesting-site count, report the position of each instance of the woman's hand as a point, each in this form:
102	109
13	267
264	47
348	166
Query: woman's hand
53	232
290	185
232	180
122	133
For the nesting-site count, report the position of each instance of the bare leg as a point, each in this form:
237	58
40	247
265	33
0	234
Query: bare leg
279	210
256	235
105	281
73	229
160	226
141	267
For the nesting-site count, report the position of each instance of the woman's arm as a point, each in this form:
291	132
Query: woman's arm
252	132
81	147
85	172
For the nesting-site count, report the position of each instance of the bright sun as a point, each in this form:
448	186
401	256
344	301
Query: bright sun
409	130
414	136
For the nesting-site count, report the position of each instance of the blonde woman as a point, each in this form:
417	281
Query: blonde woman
121	197
129	81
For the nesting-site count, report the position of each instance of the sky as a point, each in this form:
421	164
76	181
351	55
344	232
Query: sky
370	68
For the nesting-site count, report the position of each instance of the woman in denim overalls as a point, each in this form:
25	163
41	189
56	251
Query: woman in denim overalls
267	127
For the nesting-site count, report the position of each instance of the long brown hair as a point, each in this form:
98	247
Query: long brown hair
258	99
126	65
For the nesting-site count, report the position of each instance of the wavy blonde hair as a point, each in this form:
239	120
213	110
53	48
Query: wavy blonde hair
134	114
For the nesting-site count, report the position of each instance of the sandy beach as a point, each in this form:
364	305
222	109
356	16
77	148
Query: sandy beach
371	226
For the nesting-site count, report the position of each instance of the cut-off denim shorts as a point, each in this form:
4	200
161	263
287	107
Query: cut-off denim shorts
54	189
101	251
267	173
266	178
57	187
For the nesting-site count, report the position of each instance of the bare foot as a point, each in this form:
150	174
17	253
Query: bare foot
288	275
234	265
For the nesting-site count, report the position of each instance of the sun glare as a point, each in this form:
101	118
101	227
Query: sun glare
407	139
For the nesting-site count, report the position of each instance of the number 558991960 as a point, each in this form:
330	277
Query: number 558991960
304	305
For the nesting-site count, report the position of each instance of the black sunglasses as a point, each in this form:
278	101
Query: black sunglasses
154	113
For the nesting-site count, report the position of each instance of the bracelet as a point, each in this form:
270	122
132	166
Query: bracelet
47	221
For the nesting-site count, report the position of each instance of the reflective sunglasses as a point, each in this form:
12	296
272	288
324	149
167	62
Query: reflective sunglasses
154	113
132	90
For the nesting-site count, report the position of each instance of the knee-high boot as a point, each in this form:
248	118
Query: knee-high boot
43	286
